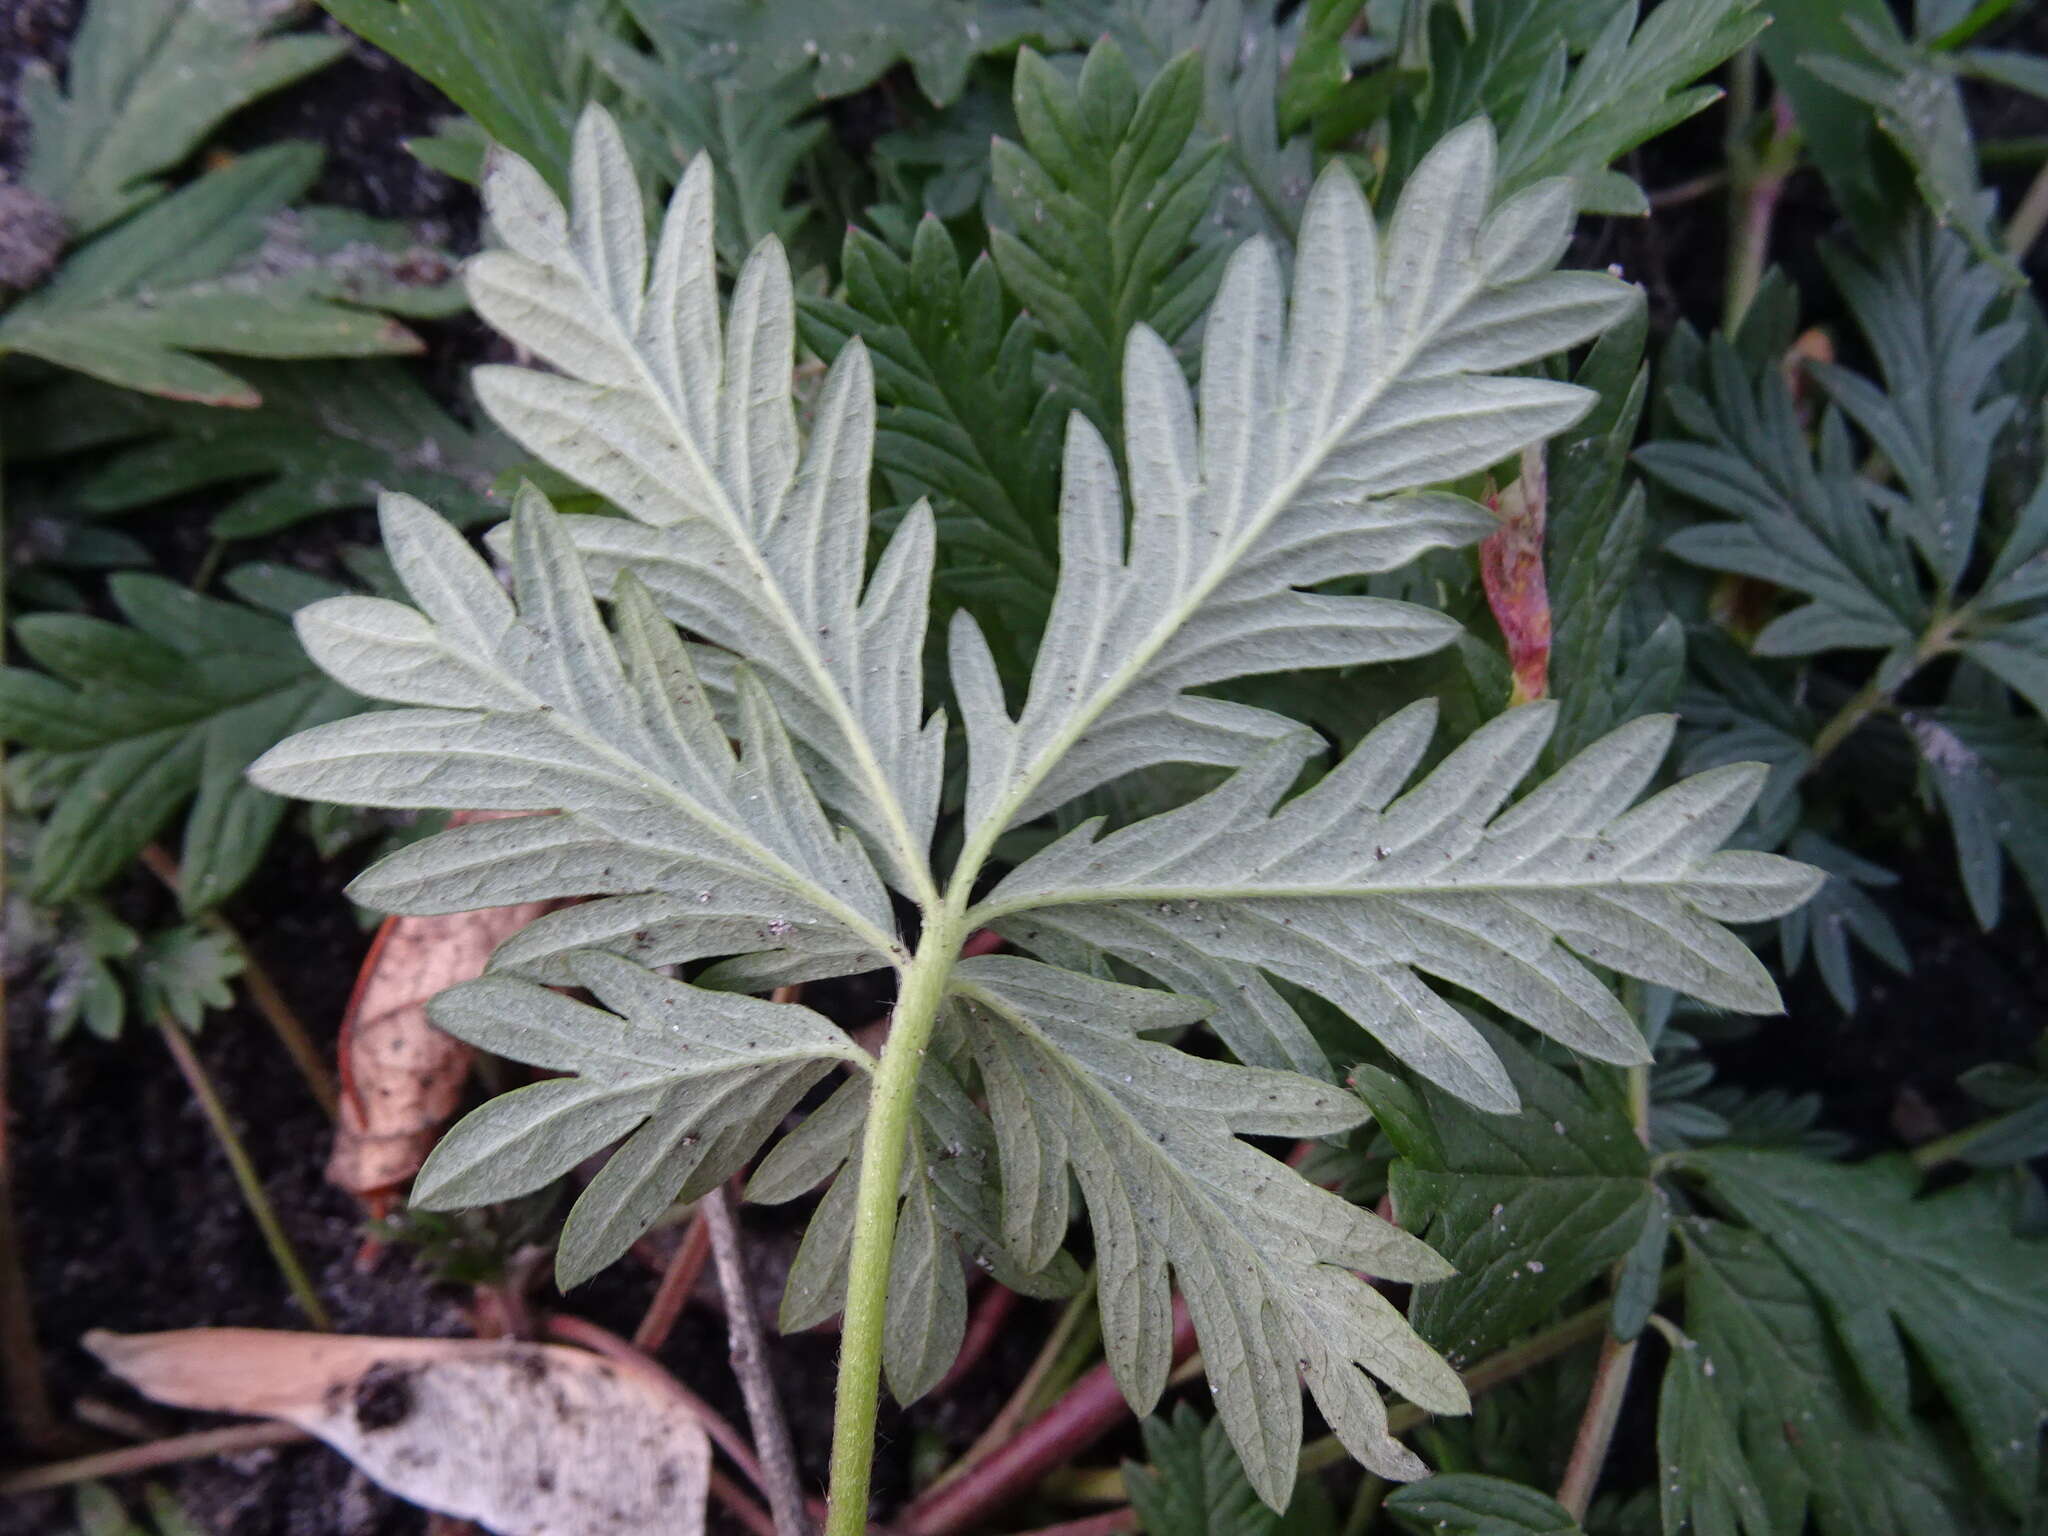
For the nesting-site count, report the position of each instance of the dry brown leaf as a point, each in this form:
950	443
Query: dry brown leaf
524	1439
401	1078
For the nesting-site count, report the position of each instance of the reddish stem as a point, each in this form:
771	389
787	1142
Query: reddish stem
990	1313
745	1509
1090	1409
678	1281
1117	1520
230	1440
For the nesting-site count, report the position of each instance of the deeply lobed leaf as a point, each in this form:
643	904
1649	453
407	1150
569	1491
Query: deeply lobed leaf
532	706
1263	1258
749	541
148	82
695	1081
218	266
1938	1270
1530	1207
132	721
1378	382
1315	439
1358	895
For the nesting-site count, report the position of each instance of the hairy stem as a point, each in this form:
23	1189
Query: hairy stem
1950	1148
244	1171
891	1107
1861	706
749	1355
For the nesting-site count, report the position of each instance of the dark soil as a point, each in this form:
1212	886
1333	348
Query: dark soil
131	1221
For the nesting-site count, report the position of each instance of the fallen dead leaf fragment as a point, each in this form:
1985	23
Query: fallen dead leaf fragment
524	1439
401	1078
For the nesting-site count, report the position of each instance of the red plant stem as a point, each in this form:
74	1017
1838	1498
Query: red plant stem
158	1453
1090	1409
1115	1521
990	1313
739	1505
678	1281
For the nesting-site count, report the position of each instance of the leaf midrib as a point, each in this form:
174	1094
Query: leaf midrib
1195	1190
1023	786
995	909
910	862
727	831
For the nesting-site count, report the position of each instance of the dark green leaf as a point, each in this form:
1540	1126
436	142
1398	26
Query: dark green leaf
219	266
1636	81
1990	772
1798	522
757	131
1468	1504
1918	105
83	985
1242	48
1839	129
1939	1270
497	62
1842	909
183	973
1530	1206
1809	1440
963	419
147	83
326	437
1194	1484
1103	198
1641	1275
1926	310
1574	85
150	717
1704	1483
1595	533
847	45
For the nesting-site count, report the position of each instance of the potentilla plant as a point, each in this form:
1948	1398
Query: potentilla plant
742	775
